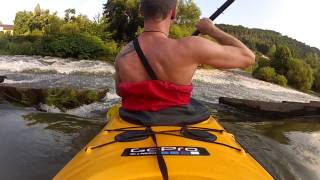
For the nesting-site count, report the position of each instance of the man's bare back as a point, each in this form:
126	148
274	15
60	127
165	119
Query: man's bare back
176	61
169	59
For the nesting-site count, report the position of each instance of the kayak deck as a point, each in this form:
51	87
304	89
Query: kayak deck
185	158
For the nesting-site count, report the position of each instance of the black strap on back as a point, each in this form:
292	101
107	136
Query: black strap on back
144	60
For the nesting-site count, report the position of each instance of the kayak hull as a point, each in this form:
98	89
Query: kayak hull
225	159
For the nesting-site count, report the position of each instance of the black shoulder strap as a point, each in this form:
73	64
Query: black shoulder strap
144	60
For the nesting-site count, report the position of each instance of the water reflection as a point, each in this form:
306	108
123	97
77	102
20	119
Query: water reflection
288	148
62	123
37	146
283	130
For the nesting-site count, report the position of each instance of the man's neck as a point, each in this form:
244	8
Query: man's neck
163	26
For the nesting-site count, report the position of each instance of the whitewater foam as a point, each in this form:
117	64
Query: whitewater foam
36	64
8	81
209	84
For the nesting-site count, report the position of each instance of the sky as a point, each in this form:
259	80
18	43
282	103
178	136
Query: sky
295	18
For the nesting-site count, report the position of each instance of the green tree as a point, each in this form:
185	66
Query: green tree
37	10
188	13
180	31
84	24
54	24
313	60
98	27
187	17
280	60
123	19
39	20
316	82
70	15
272	51
300	74
21	22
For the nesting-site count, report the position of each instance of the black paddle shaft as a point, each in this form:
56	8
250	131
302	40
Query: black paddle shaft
216	14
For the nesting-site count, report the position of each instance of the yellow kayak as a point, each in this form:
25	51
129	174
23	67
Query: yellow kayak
124	151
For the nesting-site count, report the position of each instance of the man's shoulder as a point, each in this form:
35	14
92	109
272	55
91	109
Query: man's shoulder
189	45
190	42
190	39
125	50
128	47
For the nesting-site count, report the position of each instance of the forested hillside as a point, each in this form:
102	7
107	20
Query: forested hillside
280	59
264	40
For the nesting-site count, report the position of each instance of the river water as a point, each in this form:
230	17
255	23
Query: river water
36	145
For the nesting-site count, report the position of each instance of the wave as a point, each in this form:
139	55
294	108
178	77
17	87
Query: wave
95	110
36	64
211	84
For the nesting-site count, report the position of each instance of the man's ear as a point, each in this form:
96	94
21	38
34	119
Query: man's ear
174	14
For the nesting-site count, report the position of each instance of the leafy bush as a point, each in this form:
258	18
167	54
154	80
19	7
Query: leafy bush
269	74
24	48
266	74
281	80
263	62
69	98
21	45
112	49
80	46
3	42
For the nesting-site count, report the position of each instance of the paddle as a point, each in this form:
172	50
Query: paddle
217	13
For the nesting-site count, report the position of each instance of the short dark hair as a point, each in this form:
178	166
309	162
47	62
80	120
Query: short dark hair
157	9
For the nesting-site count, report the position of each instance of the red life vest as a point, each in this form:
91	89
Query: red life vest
153	95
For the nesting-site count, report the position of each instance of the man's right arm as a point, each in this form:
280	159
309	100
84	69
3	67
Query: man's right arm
124	51
228	53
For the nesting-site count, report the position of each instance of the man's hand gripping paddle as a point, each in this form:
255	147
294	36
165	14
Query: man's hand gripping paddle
217	13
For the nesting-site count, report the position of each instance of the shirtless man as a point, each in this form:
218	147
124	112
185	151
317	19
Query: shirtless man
176	60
